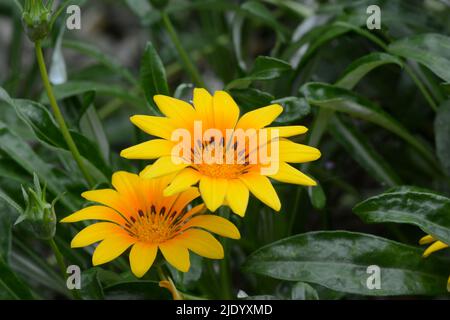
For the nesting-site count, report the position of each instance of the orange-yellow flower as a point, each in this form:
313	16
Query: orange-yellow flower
436	245
221	182
136	214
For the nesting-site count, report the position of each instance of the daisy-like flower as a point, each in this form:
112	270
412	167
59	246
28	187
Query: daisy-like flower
436	245
221	182
136	214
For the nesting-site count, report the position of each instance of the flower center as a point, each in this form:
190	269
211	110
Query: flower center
228	171
154	227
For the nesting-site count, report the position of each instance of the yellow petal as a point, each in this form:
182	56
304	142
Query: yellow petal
297	153
237	196
215	224
202	243
156	126
184	198
149	150
438	245
162	167
260	118
112	247
289	174
110	198
203	103
142	256
226	111
426	240
176	254
95	213
182	181
180	112
213	191
261	187
288	131
94	233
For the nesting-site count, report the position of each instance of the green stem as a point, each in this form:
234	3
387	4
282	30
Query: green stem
190	68
62	265
421	87
58	115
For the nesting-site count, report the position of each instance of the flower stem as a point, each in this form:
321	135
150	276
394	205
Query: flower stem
62	265
190	68
166	282
225	272
58	115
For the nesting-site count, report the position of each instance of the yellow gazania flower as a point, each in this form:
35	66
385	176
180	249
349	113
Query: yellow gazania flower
219	182
136	213
435	246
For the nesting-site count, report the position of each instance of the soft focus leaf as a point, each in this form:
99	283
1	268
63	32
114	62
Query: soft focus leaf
442	135
294	109
11	287
430	49
339	260
423	208
303	291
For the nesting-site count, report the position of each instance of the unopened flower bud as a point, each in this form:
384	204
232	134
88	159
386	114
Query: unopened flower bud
37	18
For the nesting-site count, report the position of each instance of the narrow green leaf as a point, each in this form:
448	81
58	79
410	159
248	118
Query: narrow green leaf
11	287
442	135
317	197
250	98
339	260
153	76
359	148
265	68
294	108
362	66
430	49
342	100
303	291
423	208
91	288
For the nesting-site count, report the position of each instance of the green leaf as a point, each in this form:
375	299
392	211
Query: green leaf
265	68
294	108
5	231
339	260
442	135
303	291
359	148
91	288
136	290
46	130
423	208
430	49
362	66
257	10
317	197
11	287
250	99
342	100
153	76
73	88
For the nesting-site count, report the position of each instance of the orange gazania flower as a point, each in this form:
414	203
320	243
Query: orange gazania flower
136	214
221	182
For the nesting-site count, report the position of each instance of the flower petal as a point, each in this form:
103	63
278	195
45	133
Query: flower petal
180	112
237	196
202	243
297	153
142	256
203	103
260	118
182	181
288	131
112	247
149	150
426	240
162	167
176	254
110	198
289	174
156	126
261	187
94	233
95	213
438	245
213	191
226	111
215	224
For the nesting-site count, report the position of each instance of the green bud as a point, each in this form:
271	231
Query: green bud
36	18
39	215
159	4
